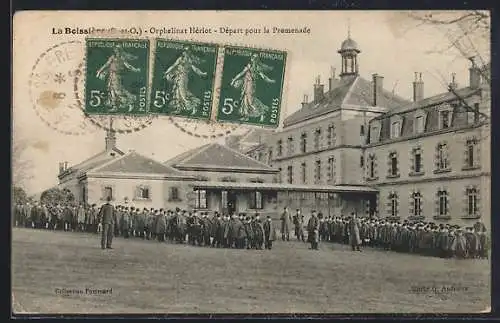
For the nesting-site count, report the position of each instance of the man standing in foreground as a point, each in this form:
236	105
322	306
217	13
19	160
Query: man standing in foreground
354	237
107	216
313	231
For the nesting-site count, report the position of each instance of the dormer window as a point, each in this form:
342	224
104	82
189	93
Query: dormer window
396	123
395	129
444	119
445	114
374	132
420	118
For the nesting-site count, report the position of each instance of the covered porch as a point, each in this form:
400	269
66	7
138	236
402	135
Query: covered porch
271	198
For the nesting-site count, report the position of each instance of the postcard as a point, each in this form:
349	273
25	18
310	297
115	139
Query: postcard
223	162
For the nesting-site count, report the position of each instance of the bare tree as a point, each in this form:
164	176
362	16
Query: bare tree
21	166
466	33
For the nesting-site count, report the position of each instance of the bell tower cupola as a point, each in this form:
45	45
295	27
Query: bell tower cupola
349	51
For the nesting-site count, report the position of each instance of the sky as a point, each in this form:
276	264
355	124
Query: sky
388	43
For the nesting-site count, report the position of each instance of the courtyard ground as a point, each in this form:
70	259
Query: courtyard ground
153	277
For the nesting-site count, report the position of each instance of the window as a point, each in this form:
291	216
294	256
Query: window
318	170
108	192
201	199
471	117
331	168
174	194
317	139
444	119
374	134
304	173
361	161
280	148
228	179
395	129
417	204
224	199
470	157
260	156
279	178
362	130
393	205
142	192
419	124
443	203
84	194
290	174
290	145
270	156
416	166
331	135
472	202
303	145
256	200
393	164
442	156
371	166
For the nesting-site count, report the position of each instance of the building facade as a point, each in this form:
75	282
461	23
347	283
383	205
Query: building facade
322	143
428	158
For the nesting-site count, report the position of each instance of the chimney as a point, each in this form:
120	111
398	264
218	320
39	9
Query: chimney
378	85
474	74
319	90
453	84
110	139
304	101
332	77
65	165
61	167
418	87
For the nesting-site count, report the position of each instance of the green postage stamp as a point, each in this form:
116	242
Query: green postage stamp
183	79
252	86
116	76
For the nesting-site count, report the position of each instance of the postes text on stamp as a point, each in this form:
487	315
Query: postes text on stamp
251	86
183	79
116	76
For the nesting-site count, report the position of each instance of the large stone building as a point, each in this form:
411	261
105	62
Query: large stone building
322	143
429	159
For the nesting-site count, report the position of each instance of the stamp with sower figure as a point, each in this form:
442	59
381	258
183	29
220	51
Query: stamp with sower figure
183	79
117	76
251	86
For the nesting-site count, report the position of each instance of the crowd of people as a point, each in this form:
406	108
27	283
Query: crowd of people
244	231
426	238
180	226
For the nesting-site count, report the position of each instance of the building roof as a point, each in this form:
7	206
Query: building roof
93	162
349	44
256	135
248	140
133	162
283	187
216	156
354	91
433	100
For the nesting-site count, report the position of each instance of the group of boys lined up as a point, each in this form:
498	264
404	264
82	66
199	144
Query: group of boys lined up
256	232
197	228
426	238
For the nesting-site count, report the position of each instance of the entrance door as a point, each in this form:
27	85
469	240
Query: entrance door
231	202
